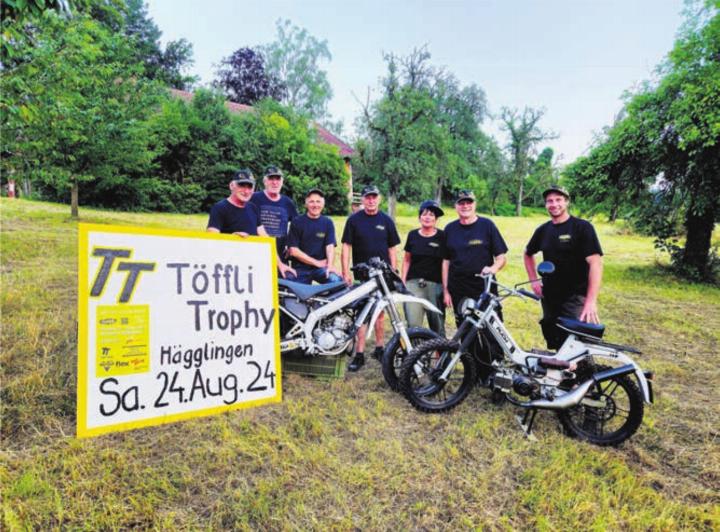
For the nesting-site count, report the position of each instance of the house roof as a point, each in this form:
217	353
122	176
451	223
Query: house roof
323	134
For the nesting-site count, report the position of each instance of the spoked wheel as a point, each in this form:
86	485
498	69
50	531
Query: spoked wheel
395	352
421	371
610	412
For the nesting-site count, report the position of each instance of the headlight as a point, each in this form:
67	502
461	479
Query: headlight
466	305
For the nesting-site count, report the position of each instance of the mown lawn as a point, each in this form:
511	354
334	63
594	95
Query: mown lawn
351	454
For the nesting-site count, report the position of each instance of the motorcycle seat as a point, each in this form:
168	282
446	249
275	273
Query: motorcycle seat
306	291
580	327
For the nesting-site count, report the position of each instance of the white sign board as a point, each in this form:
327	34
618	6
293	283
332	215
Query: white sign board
173	325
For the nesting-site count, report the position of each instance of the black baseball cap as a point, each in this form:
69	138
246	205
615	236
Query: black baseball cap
272	170
244	176
370	189
315	190
557	189
431	205
464	195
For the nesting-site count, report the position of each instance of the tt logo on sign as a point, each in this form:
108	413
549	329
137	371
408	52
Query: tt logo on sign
133	269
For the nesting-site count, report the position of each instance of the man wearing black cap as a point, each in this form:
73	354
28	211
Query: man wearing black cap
474	247
238	216
276	209
422	267
235	214
311	242
573	246
369	233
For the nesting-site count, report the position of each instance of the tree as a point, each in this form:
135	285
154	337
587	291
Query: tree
665	151
167	66
294	60
82	117
525	135
244	78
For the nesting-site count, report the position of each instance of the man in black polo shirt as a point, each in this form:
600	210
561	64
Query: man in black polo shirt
370	233
311	242
572	245
474	247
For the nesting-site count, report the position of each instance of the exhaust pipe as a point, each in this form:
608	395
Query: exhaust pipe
574	397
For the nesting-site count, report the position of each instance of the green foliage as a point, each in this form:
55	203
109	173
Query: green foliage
82	105
661	160
294	59
422	137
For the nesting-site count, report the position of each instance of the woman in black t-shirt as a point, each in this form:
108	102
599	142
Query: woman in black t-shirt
422	267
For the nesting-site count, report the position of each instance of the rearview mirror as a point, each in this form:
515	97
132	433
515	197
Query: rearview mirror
546	268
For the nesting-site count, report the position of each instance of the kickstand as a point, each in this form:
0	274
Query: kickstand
526	423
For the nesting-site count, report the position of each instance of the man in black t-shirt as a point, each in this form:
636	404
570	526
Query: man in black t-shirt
311	242
474	247
369	233
572	245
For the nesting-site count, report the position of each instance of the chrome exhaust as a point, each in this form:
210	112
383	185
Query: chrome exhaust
574	397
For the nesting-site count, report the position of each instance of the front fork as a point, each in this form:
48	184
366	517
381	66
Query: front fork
468	333
398	324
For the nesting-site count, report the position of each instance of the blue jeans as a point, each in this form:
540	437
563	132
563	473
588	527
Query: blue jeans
319	275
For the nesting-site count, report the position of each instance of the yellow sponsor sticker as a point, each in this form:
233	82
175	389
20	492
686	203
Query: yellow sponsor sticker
123	340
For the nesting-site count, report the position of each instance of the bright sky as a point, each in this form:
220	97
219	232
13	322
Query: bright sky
573	57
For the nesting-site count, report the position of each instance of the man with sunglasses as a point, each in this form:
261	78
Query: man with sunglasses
236	214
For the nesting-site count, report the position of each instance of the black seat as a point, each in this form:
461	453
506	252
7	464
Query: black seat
580	327
306	291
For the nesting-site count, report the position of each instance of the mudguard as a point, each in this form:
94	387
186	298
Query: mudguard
398	298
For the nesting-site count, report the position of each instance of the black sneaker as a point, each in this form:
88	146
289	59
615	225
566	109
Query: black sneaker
357	362
378	353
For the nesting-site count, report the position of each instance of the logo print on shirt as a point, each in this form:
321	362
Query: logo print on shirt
475	242
434	244
564	238
320	235
380	227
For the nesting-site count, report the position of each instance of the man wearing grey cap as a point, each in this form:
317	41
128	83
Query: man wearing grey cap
573	246
369	233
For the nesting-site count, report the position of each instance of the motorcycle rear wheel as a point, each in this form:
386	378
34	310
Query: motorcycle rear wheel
394	353
420	371
611	424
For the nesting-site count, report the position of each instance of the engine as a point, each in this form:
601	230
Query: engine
333	334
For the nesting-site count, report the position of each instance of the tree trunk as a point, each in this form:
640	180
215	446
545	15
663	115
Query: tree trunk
392	204
438	191
614	210
697	245
518	211
74	199
27	187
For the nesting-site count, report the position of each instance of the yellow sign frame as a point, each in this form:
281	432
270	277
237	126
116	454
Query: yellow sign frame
84	230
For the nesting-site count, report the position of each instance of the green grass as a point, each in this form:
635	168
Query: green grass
350	454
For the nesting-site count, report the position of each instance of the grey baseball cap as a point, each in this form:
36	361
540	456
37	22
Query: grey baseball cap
244	176
370	189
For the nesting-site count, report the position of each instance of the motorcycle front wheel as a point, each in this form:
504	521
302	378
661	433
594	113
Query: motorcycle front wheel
609	414
420	372
395	352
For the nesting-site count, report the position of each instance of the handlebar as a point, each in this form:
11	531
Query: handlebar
489	280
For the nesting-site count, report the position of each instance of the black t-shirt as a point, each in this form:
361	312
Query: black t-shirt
370	236
472	247
311	236
227	218
426	255
567	245
275	216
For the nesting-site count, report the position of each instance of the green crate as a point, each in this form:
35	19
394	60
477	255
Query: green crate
324	367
